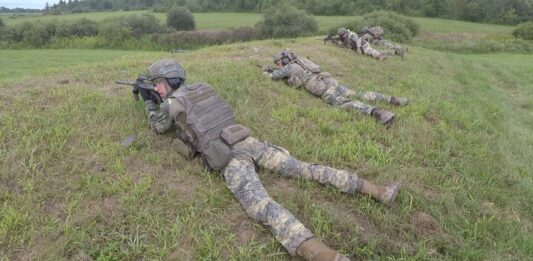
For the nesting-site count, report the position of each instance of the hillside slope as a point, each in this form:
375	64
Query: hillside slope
461	150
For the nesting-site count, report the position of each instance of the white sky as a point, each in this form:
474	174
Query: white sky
33	4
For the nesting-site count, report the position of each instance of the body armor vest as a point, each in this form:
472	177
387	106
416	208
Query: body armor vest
207	115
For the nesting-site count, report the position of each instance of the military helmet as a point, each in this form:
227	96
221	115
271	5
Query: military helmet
166	68
286	56
342	31
364	29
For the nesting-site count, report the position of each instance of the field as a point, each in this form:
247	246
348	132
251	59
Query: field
203	20
462	150
228	20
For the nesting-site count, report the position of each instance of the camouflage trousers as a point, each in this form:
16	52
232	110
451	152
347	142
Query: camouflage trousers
368	50
242	179
341	95
386	43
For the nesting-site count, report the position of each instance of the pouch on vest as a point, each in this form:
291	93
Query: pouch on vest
308	65
235	133
216	154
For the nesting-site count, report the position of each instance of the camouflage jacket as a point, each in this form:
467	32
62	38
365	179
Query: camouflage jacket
297	76
169	116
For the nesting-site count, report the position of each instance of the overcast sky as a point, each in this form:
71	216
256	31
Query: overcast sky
33	4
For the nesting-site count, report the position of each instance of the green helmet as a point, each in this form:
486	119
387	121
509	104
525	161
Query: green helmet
285	56
166	68
342	31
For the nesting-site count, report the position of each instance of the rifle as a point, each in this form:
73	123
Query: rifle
142	83
332	39
266	68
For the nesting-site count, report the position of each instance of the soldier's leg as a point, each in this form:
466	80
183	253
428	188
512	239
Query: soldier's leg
337	96
279	159
380	55
242	179
372	96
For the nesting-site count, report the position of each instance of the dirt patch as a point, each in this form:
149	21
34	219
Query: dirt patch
350	217
56	209
282	187
107	208
425	225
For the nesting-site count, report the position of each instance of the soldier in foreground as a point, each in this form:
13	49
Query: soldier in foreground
205	125
301	72
374	35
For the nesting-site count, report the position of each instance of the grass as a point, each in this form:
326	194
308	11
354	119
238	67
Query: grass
16	64
203	20
462	150
228	20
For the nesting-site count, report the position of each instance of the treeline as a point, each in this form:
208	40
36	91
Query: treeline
488	11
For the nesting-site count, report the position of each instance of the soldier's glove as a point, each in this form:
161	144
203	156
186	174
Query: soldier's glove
145	94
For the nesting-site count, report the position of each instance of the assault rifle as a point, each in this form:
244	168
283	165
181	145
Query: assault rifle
266	68
333	39
142	83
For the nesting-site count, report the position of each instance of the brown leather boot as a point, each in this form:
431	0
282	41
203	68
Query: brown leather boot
399	101
314	250
391	191
384	117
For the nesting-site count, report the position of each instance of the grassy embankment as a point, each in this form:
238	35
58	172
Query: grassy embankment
461	149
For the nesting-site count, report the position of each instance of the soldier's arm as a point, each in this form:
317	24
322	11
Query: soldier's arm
160	122
184	135
281	73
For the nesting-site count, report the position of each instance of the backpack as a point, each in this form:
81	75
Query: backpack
377	32
308	65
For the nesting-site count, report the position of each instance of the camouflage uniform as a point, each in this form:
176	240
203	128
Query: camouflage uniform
327	88
241	177
378	40
361	45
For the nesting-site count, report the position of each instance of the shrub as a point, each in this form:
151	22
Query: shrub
79	28
286	21
181	19
195	39
524	31
1	23
118	29
397	27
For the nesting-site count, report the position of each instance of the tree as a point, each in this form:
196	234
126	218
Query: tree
181	19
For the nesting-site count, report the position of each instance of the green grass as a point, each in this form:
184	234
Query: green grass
203	20
17	64
228	20
454	26
462	150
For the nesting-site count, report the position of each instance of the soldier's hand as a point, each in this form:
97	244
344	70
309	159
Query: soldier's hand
145	94
267	74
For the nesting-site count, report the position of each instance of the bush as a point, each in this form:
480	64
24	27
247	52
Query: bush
397	27
78	28
181	19
195	39
1	23
119	29
286	21
524	31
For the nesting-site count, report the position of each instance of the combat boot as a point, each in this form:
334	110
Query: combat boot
390	193
314	250
384	117
400	52
382	57
399	101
